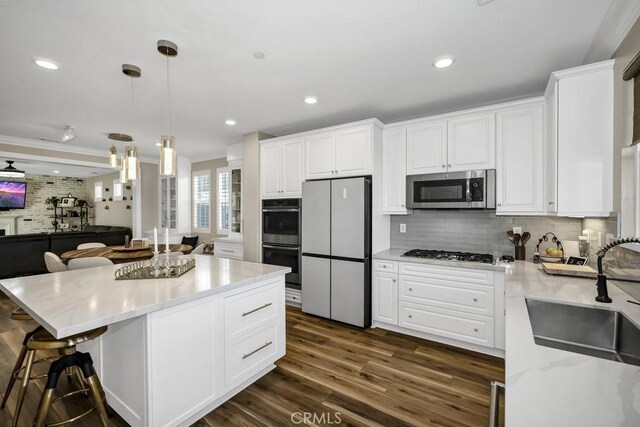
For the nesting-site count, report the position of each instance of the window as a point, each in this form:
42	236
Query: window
97	192
202	200
117	190
223	200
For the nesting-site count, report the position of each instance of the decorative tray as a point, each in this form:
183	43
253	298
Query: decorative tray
130	248
156	268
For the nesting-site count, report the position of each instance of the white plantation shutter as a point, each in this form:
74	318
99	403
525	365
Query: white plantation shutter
223	201
117	190
202	201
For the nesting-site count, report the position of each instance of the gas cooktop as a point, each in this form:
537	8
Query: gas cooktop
450	256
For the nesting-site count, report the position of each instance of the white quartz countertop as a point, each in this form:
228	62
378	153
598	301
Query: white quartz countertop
550	387
396	255
72	302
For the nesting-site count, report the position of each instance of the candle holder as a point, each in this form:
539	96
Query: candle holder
167	262
155	263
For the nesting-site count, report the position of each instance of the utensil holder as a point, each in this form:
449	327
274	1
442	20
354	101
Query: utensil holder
521	253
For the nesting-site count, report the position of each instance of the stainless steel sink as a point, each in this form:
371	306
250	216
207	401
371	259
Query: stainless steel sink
592	331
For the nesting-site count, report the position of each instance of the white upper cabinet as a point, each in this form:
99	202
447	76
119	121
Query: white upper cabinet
584	122
339	153
519	178
292	168
471	143
270	155
551	151
319	155
281	169
427	148
394	174
352	151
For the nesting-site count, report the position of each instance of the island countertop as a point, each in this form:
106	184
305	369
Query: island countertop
75	301
551	387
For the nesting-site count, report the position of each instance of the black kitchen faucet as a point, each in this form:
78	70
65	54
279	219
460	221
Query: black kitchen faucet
601	284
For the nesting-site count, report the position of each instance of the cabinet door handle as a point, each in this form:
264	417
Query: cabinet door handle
550	203
394	280
444	166
475	329
499	204
257	350
410	317
475	299
410	289
246	313
448	165
403	205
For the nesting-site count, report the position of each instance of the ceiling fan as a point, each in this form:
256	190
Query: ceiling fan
67	135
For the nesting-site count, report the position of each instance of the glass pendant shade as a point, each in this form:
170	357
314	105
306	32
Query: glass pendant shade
167	155
133	163
113	156
123	170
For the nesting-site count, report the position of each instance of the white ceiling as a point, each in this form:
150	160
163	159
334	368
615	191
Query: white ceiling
33	167
361	58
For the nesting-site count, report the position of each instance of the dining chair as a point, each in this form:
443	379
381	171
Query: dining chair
54	263
191	241
199	249
91	245
88	262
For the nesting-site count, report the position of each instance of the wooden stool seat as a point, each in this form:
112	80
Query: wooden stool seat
43	340
19	314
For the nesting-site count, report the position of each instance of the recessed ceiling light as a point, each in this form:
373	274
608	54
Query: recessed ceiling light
258	55
46	63
230	122
310	99
56	171
444	61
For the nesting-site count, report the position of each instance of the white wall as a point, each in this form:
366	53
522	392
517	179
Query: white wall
117	212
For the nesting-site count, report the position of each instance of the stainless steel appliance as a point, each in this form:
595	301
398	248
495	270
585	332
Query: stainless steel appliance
281	221
336	249
281	229
453	190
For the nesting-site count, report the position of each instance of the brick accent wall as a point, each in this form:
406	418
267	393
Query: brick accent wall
36	216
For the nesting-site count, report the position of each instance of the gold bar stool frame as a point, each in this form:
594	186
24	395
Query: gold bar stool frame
79	365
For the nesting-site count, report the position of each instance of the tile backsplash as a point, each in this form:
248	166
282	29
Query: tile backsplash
472	231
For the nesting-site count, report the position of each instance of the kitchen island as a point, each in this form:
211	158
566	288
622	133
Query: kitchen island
550	387
176	348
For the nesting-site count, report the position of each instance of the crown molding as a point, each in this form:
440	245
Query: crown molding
63	148
222	154
615	26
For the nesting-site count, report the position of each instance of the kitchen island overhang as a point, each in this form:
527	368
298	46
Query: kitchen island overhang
176	348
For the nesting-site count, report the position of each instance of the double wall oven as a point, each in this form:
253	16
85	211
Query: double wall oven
281	226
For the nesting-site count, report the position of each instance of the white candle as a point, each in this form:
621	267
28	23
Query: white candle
155	239
166	239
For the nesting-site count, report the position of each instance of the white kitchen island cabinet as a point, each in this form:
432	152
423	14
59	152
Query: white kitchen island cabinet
175	348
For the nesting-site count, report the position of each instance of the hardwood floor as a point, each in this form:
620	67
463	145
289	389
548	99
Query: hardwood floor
332	374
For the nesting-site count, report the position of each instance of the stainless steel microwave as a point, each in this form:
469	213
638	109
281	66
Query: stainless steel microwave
453	190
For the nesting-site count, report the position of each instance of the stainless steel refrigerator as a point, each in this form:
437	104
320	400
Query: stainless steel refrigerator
336	249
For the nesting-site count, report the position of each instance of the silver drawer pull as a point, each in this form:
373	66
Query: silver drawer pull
257	350
410	316
410	289
256	309
226	250
475	299
475	329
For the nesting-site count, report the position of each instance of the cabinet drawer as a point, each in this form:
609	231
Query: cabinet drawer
248	310
464	275
446	323
385	266
459	296
247	355
224	250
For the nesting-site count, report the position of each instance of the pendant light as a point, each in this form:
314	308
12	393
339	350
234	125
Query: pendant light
113	151
168	142
132	158
123	169
113	156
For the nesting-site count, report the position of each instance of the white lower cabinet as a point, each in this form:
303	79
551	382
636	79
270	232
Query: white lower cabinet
385	301
460	306
229	247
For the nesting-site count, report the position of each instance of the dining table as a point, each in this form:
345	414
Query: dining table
121	255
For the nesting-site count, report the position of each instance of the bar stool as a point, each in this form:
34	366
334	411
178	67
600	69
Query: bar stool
20	315
80	362
40	339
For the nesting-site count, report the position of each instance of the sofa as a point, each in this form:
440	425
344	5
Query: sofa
23	254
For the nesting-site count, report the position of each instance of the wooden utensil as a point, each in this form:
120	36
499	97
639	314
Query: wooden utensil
516	239
525	237
510	235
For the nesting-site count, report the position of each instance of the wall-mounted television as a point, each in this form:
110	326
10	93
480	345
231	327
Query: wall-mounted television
12	195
